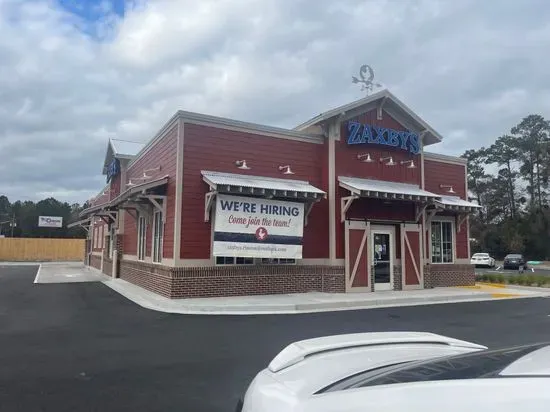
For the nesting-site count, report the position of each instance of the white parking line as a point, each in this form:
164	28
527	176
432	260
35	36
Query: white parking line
37	273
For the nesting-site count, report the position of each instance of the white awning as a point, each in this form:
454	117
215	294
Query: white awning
456	203
260	185
385	190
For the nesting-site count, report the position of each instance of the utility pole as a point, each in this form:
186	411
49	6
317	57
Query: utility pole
12	223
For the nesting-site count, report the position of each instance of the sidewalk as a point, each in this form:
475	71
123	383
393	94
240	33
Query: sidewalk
316	301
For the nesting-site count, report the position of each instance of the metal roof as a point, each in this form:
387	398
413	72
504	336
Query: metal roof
126	147
384	189
396	104
456	201
258	184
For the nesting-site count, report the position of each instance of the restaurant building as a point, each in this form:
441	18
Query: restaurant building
350	200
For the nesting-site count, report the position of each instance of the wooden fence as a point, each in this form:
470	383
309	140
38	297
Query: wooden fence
41	249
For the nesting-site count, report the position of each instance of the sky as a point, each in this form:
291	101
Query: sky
75	72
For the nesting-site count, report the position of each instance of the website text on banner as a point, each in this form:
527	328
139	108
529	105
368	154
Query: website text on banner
258	228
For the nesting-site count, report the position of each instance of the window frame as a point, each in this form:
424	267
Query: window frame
443	220
157	235
141	238
254	261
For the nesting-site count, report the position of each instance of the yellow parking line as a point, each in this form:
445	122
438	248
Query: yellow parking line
504	295
494	285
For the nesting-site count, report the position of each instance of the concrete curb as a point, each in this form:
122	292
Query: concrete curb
161	304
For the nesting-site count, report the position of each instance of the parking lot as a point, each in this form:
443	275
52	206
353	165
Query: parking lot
83	347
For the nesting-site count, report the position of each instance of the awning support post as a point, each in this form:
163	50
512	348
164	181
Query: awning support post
460	219
160	207
345	204
307	211
208	199
420	210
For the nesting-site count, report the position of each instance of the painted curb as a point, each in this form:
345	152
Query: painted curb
303	308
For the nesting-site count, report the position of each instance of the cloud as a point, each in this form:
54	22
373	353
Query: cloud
74	73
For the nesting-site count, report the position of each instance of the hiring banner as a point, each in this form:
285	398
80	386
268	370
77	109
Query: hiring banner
259	228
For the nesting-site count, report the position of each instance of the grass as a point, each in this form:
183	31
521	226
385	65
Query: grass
523	280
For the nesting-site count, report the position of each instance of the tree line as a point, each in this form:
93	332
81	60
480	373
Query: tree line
510	180
20	219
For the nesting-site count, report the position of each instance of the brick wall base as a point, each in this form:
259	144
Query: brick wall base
95	261
449	275
233	281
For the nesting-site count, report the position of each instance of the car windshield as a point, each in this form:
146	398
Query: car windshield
481	255
514	256
482	364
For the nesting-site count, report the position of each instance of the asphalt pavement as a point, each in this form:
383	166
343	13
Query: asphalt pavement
83	347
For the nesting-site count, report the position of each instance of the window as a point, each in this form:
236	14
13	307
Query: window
278	261
157	236
483	364
442	242
96	237
228	260
142	230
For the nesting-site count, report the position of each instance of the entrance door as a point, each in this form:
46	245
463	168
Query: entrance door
382	259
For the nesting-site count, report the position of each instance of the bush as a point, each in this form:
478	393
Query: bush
521	280
512	280
500	278
531	280
491	278
541	280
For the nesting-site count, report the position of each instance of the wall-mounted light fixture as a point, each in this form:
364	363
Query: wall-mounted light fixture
389	159
130	183
146	176
448	187
410	163
287	170
241	164
364	157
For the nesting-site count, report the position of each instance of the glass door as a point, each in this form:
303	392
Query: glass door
382	260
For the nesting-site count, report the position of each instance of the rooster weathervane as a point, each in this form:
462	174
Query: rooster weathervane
366	74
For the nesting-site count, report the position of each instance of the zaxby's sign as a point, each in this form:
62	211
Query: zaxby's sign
258	228
359	133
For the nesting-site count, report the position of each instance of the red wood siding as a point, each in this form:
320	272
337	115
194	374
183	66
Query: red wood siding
439	173
347	164
114	189
129	240
216	149
163	153
462	242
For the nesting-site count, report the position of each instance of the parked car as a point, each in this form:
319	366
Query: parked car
514	261
401	371
482	259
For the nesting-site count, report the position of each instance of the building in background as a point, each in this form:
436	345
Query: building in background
347	201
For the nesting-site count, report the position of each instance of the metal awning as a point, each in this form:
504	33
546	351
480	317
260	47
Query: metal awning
456	203
379	189
261	186
138	190
95	209
84	223
144	198
385	190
